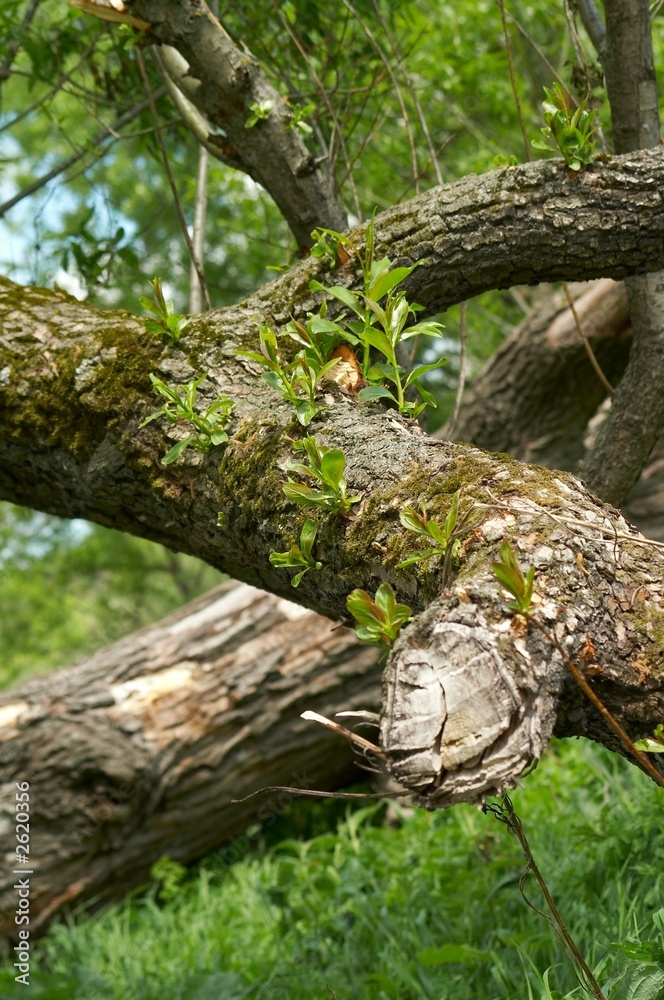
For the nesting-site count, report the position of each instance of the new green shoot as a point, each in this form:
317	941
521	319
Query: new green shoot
326	466
509	575
299	556
209	426
168	323
419	522
379	620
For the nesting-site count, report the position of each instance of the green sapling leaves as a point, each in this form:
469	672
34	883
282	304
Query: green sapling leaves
379	620
509	574
168	323
440	535
299	555
569	132
260	111
326	466
209	426
298	381
382	326
654	744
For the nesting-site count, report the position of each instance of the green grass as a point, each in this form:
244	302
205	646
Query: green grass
427	908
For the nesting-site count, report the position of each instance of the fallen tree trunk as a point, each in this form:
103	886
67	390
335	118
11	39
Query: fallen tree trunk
136	752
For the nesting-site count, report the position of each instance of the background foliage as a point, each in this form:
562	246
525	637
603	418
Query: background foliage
330	901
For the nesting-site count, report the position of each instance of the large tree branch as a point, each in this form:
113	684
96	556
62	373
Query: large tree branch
69	370
224	81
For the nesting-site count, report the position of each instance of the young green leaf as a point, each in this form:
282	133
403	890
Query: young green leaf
419	522
509	574
344	295
378	620
177	450
168	323
383	283
417	373
371	392
209	426
299	555
333	464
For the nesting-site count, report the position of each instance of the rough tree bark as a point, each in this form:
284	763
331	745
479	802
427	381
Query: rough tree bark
137	751
88	458
74	379
536	395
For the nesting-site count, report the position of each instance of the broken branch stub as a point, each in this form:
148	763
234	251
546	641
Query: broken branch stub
466	708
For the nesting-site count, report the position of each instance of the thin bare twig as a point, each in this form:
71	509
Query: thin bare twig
504	813
348	734
198	238
531	41
642	758
433	157
462	371
322	90
586	343
527	507
316	794
171	180
14	46
96	140
510	61
397	89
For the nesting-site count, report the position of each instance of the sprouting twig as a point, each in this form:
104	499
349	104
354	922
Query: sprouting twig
586	343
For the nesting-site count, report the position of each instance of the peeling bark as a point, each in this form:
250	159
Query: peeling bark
137	751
